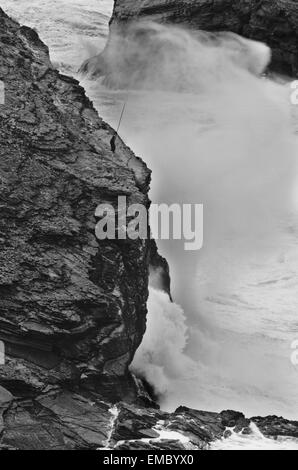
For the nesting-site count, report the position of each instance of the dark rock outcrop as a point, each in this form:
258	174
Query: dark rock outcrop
274	22
64	420
141	428
72	308
159	271
274	426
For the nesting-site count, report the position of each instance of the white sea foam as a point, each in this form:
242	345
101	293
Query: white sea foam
254	441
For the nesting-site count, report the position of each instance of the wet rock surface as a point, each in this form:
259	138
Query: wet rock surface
272	22
141	428
64	420
72	308
274	426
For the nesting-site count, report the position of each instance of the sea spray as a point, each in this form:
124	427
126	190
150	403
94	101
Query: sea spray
214	132
161	359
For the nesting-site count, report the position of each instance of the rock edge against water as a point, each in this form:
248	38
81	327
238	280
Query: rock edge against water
64	420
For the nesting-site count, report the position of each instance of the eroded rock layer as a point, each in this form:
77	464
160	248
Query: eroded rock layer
72	308
60	420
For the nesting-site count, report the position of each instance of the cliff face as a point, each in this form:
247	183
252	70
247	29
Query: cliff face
72	308
274	22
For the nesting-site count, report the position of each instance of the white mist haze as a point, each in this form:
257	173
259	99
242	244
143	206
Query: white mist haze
164	361
214	131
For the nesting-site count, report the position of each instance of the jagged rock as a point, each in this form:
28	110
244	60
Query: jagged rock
273	426
56	421
234	419
159	269
135	423
272	22
162	444
203	427
142	428
72	308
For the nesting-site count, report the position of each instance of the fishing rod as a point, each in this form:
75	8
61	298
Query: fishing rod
127	98
122	113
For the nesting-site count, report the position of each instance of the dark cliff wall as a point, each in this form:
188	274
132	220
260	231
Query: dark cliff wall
72	309
274	22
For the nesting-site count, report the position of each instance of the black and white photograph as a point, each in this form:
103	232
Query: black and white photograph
148	229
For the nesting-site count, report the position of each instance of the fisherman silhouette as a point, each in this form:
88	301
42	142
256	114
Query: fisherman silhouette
113	142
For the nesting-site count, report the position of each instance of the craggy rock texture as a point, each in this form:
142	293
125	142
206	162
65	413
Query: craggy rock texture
136	428
274	22
72	308
63	420
159	269
276	426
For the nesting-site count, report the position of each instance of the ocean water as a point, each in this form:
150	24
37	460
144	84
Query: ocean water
73	29
226	343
